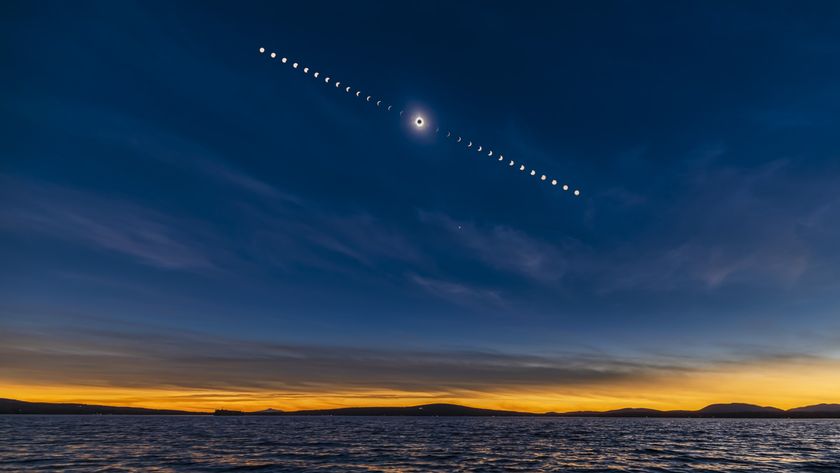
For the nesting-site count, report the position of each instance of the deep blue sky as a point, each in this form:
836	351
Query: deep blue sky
159	176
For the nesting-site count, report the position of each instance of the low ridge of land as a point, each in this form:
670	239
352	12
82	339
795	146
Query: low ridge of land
732	410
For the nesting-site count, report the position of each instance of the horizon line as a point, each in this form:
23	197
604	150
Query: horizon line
628	408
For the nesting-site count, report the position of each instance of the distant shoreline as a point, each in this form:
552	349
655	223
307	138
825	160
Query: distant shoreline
732	410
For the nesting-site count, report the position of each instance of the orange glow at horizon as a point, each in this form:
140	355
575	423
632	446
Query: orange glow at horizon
783	385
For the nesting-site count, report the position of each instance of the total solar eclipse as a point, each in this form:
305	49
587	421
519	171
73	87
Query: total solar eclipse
420	122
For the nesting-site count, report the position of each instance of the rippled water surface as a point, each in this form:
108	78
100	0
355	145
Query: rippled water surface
151	443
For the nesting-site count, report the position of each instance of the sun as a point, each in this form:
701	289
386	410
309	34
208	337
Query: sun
419	121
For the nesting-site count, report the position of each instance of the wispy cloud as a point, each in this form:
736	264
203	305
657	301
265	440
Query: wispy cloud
146	236
504	248
458	293
309	236
152	360
135	137
213	371
735	226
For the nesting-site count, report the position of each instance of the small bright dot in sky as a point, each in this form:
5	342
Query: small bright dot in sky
565	187
577	192
262	50
273	55
419	122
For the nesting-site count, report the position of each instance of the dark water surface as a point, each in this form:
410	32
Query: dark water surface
406	444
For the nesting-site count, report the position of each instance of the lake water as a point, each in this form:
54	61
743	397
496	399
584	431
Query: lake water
408	444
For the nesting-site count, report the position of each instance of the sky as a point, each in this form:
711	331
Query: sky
187	223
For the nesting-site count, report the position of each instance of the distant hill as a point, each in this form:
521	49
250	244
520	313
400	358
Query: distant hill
818	410
633	412
733	410
626	412
740	410
265	412
12	406
424	410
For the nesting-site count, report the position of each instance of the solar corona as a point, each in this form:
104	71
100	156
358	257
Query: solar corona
420	123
